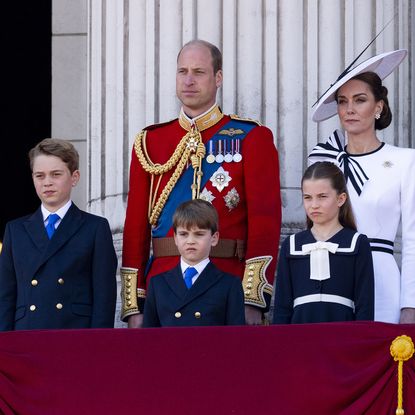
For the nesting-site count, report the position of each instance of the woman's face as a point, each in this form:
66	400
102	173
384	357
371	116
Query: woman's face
356	107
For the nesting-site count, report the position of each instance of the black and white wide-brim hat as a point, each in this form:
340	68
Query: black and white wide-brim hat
382	64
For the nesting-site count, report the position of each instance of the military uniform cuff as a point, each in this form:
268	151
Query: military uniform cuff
255	283
132	297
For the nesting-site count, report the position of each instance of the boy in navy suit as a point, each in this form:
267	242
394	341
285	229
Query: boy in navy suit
195	292
58	265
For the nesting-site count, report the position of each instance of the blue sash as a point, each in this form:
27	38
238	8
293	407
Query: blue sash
182	190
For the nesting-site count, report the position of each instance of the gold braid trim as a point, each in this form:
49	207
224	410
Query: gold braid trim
255	282
129	304
238	118
156	211
144	159
189	144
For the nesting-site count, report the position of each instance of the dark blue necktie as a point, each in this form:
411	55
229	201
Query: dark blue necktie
50	227
188	275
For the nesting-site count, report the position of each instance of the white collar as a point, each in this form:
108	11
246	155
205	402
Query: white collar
199	267
61	211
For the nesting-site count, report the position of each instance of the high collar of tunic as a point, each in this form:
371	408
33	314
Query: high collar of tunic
203	121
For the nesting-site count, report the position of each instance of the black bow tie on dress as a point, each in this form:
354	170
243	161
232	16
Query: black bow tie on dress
333	150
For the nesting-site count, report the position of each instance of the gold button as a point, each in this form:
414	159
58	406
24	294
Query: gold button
128	284
248	285
35	282
61	281
32	308
128	297
247	292
128	290
178	314
129	278
129	303
251	273
250	279
59	306
251	267
197	314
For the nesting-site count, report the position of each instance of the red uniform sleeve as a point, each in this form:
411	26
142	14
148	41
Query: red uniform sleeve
263	200
137	230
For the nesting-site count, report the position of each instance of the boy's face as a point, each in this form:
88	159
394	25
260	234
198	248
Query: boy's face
53	181
194	244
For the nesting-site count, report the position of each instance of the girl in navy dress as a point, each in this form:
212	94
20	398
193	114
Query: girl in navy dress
325	273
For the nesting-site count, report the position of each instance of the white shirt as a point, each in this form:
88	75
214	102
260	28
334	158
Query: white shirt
199	267
61	212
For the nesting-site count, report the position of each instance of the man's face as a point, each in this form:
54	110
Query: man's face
53	181
196	84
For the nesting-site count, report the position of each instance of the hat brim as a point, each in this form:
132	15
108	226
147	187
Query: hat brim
382	64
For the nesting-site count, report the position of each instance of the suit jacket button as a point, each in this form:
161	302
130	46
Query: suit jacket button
178	314
61	281
59	306
197	314
35	282
32	308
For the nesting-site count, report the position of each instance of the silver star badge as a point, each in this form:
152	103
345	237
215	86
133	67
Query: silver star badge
220	179
206	195
232	199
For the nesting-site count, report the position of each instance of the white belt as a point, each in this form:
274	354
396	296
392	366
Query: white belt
327	298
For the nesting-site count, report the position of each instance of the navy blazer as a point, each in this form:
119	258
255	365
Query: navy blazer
68	281
215	299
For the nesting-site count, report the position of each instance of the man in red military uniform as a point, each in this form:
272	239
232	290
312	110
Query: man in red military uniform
228	161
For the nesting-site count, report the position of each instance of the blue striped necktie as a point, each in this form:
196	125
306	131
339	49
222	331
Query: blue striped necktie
188	275
50	227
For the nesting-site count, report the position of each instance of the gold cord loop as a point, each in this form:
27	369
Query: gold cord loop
190	148
401	349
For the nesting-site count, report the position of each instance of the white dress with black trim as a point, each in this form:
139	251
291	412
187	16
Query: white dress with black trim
336	285
382	191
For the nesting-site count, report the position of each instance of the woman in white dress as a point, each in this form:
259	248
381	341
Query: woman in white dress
380	178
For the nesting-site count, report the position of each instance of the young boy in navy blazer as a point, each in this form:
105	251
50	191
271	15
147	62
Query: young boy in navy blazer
195	292
58	265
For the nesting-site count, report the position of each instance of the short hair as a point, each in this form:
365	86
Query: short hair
199	213
58	148
380	92
328	170
214	52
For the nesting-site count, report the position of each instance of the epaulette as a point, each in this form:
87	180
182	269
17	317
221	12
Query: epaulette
154	126
238	118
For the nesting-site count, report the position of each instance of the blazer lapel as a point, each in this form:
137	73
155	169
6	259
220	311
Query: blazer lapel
209	276
175	281
70	224
35	228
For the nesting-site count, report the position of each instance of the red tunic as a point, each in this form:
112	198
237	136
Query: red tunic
256	218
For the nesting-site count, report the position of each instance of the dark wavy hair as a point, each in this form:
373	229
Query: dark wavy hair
380	93
329	171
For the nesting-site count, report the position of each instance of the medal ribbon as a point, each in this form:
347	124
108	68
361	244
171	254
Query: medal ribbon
182	190
334	151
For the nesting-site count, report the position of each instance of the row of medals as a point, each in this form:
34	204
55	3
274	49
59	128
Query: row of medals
226	150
